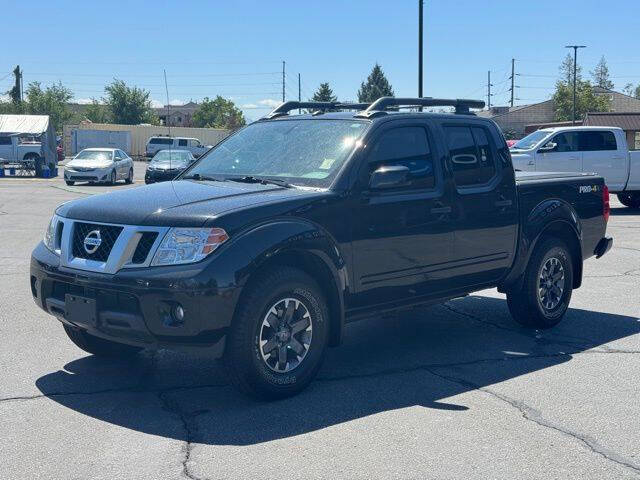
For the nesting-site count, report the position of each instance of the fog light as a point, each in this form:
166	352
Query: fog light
178	313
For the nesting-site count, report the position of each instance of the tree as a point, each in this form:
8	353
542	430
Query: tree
218	113
637	92
586	101
52	101
375	87
324	94
600	75
128	105
628	89
566	70
97	112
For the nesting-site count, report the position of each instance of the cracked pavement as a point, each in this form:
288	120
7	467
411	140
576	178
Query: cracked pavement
451	391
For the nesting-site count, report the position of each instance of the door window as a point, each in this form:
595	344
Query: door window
566	142
182	142
409	147
472	158
596	141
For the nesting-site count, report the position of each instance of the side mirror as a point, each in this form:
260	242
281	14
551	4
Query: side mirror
548	147
389	177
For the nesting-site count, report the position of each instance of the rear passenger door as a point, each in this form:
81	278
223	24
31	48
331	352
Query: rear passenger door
485	210
565	156
602	154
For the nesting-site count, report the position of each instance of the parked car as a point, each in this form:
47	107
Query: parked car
261	251
155	144
167	164
104	165
602	150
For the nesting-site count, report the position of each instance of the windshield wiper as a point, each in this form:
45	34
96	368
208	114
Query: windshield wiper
264	181
197	176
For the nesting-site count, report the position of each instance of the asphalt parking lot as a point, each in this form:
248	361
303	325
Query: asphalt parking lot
450	391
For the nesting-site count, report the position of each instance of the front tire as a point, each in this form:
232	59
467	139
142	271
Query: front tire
279	334
129	179
113	178
69	182
99	346
631	200
544	297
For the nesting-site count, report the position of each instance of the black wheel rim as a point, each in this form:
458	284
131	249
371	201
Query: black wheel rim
285	335
551	282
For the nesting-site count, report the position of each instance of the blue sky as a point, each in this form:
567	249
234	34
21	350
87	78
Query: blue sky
235	49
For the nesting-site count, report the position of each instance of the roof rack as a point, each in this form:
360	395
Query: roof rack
286	107
462	106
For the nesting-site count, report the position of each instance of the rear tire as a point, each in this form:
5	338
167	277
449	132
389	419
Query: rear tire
631	199
285	308
545	294
99	346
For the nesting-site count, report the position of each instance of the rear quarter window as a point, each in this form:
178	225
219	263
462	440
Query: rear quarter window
161	141
597	141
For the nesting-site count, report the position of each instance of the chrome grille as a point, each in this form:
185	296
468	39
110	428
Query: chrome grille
108	234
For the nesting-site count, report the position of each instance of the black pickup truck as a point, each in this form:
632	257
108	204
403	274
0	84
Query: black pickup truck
261	251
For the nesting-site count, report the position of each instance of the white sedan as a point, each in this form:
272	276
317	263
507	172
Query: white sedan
104	165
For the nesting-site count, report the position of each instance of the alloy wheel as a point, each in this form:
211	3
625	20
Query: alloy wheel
285	335
551	284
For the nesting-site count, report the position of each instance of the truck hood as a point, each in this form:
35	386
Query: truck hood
182	203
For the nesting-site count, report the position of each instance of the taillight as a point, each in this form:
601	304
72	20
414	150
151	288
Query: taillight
606	206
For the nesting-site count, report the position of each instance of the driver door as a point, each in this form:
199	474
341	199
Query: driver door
565	156
401	237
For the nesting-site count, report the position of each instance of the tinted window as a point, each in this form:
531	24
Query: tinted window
182	143
161	141
407	146
596	141
566	142
5	140
472	159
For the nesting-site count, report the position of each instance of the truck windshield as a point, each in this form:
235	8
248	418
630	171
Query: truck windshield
530	140
301	152
97	155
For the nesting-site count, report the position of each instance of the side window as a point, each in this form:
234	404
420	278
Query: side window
472	158
597	141
5	140
566	142
407	146
182	142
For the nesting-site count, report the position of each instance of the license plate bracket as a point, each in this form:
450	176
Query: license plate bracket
80	310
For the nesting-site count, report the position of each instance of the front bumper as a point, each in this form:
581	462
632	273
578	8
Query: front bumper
134	306
94	175
603	246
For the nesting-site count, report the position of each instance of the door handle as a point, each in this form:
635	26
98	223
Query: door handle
530	163
503	203
441	210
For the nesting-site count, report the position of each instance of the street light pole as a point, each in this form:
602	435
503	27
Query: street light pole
575	69
420	8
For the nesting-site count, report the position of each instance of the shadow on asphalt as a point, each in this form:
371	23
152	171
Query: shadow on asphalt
624	211
419	358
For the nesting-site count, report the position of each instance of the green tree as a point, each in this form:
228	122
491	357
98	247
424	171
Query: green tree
566	70
218	113
586	101
128	105
324	93
600	75
628	89
52	101
97	112
637	92
375	87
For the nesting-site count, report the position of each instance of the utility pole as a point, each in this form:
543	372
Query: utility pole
575	68
283	81
489	85
166	88
513	77
299	93
420	15
16	91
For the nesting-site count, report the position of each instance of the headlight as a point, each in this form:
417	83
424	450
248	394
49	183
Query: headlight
49	239
188	245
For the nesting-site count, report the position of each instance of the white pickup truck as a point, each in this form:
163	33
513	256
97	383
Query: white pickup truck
16	149
601	150
155	144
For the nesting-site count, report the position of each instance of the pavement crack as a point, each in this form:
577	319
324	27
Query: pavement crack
535	416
